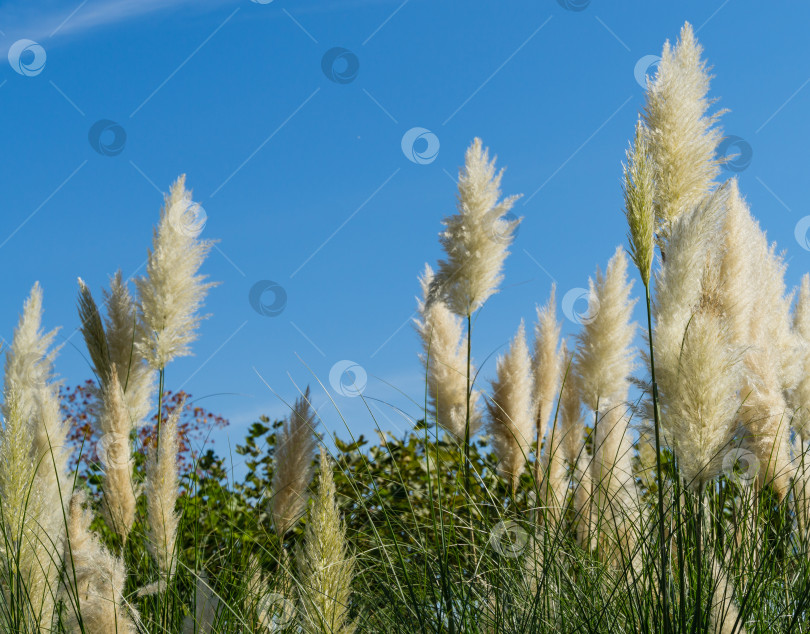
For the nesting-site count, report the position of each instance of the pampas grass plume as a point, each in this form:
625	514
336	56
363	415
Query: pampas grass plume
293	471
444	355
476	239
325	566
172	292
94	578
511	409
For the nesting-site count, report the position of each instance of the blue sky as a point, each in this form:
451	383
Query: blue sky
305	182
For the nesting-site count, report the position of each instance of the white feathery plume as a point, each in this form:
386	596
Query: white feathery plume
800	395
295	448
639	202
801	485
756	308
554	486
135	376
546	362
35	486
325	566
605	356
571	422
723	616
94	578
477	238
736	288
162	491
206	604
444	355
584	494
647	460
679	281
118	507
171	293
683	137
511	409
21	505
611	468
769	365
697	363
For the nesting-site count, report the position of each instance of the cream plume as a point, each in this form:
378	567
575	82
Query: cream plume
546	362
325	566
571	422
134	374
162	491
723	616
444	355
683	138
476	239
639	203
118	506
800	395
605	356
554	486
511	409
295	447
206	605
93	577
35	486
171	293
697	363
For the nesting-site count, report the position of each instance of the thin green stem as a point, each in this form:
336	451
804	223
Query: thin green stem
698	625
161	383
658	474
467	421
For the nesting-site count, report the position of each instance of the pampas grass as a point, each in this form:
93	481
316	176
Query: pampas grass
172	291
136	378
444	357
476	239
162	491
673	502
34	485
94	578
511	409
119	495
546	362
293	470
605	356
683	136
325	565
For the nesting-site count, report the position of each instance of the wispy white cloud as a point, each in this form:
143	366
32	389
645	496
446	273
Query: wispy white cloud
53	19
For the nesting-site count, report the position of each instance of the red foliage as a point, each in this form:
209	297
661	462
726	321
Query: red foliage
79	405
